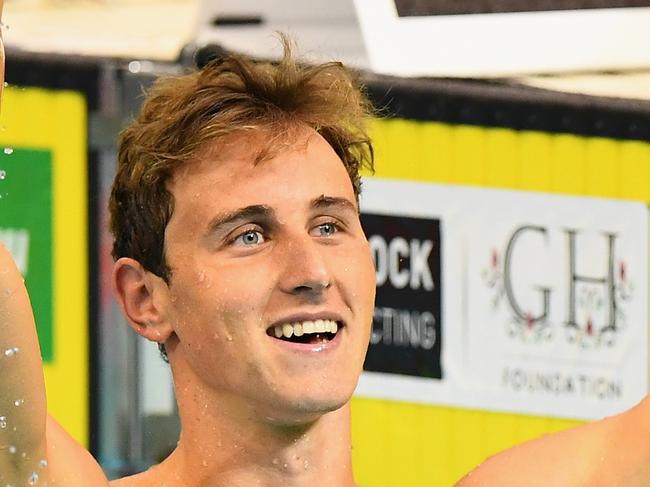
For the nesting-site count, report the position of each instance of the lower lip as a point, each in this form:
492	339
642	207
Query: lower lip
312	347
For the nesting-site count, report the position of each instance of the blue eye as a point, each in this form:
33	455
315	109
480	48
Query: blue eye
249	237
327	229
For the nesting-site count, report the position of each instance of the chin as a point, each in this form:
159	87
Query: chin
321	406
306	410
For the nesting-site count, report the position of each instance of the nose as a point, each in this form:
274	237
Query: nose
306	270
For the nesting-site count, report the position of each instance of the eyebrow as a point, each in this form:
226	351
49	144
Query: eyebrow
241	215
264	212
334	202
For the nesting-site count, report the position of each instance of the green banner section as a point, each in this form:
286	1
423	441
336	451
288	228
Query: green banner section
26	229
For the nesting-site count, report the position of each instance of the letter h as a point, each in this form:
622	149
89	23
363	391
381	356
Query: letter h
607	281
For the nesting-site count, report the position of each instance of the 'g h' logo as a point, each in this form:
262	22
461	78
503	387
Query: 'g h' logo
588	295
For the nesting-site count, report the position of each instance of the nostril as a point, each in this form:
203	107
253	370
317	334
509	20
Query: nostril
312	287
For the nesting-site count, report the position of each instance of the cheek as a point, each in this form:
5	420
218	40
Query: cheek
220	304
360	275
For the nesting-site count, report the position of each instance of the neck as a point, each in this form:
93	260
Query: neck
225	442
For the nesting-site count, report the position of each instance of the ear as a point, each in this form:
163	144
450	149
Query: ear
143	298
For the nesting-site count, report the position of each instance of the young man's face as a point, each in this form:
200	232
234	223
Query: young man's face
260	248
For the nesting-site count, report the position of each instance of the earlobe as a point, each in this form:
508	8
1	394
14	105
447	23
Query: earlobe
142	297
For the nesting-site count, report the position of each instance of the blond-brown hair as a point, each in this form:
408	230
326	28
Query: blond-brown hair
183	115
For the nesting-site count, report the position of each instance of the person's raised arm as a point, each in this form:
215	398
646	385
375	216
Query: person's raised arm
23	409
34	449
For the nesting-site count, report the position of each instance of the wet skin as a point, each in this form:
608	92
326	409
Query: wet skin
252	245
614	451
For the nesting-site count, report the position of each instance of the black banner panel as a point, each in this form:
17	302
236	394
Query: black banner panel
406	331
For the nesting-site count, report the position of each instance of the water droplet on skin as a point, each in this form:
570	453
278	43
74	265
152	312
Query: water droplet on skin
3	422
8	151
286	465
33	478
10	352
19	402
12	449
276	461
42	463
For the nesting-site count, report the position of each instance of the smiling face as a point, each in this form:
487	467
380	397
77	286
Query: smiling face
258	250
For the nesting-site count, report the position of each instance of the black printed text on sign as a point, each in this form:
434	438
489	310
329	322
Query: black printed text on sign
406	328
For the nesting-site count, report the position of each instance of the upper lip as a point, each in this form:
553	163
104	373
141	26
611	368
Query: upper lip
300	317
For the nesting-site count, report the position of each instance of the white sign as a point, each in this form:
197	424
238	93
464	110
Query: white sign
544	300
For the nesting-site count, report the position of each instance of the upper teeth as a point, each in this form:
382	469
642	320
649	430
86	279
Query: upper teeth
299	328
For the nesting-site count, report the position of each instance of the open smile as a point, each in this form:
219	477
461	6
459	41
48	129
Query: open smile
312	332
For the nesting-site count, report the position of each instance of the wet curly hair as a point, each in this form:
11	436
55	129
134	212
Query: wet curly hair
183	116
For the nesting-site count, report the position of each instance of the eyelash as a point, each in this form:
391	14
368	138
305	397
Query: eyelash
336	228
245	232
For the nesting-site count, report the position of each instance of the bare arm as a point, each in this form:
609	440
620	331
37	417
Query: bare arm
611	452
23	409
34	449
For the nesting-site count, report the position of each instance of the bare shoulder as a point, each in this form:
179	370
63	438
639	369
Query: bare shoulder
611	452
158	476
551	460
70	464
139	480
131	481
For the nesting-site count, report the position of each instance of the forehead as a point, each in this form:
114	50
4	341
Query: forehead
245	169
